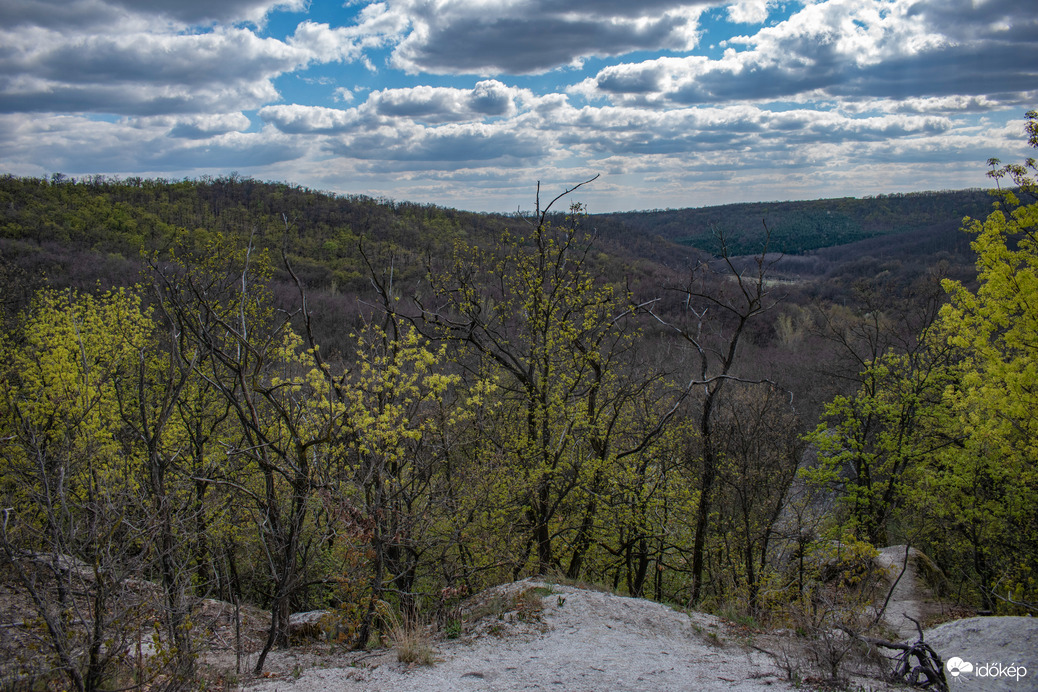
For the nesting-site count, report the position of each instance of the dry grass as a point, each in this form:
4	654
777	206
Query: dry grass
412	643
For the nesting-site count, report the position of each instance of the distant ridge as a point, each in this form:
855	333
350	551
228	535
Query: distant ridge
801	226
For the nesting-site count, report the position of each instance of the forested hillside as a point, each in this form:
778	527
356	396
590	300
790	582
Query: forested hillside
797	227
271	396
117	219
90	232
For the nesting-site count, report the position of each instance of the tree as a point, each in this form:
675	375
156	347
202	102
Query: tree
988	487
148	401
869	440
940	439
75	522
553	337
739	297
286	411
395	397
759	450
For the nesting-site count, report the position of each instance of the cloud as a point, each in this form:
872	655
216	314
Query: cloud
321	43
488	99
226	55
86	14
423	124
489	37
78	145
454	143
298	119
206	126
196	12
141	72
848	49
57	14
750	11
936	104
628	131
232	151
145	62
843	96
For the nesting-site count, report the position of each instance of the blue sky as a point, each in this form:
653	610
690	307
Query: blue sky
468	103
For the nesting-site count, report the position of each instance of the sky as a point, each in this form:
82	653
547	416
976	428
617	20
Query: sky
469	103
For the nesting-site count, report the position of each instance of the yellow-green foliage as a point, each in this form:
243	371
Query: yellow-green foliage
946	446
872	442
988	485
393	383
60	408
552	339
984	490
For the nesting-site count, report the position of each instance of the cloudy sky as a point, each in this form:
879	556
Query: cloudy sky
469	103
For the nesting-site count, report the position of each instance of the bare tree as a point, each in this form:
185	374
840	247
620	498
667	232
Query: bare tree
758	436
147	402
738	297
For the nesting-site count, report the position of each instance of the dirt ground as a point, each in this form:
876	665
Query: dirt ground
538	635
994	646
584	640
574	639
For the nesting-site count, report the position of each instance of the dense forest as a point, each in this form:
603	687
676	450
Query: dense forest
798	227
274	396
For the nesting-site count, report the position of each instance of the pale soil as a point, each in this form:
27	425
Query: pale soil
1008	641
587	641
582	641
560	637
911	597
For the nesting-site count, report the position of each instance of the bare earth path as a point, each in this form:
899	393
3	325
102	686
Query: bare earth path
579	640
582	641
911	596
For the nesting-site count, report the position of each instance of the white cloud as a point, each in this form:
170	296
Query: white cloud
321	43
79	145
846	96
141	72
750	11
489	98
532	36
210	125
297	119
141	57
845	49
208	11
452	143
86	14
936	104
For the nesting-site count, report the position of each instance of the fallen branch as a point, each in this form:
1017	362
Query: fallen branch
927	672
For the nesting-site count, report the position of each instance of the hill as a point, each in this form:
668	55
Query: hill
94	232
799	227
462	400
